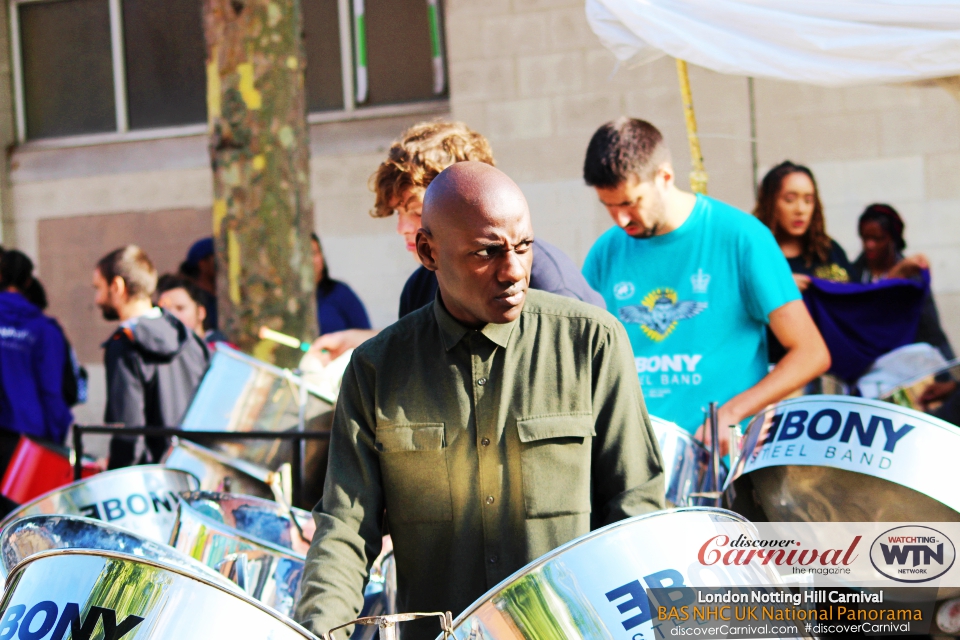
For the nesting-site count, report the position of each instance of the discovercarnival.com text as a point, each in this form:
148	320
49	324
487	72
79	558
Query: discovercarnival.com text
736	631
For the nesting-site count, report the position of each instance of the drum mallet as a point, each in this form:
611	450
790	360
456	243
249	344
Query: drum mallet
266	333
715	445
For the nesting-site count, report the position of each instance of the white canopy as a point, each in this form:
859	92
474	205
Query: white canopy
825	42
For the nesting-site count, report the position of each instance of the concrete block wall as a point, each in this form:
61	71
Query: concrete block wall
531	76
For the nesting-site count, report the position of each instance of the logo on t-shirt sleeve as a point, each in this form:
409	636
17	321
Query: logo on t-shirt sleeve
623	290
659	313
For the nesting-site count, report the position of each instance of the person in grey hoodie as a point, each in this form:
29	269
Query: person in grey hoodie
154	364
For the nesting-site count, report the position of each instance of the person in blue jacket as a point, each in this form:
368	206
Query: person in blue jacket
338	307
33	350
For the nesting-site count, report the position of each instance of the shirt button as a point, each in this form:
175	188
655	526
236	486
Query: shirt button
493	559
490	499
485	442
482	381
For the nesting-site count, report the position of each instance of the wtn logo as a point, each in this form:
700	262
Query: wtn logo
41	619
896	554
911	553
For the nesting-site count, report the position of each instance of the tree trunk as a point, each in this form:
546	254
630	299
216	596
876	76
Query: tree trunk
259	150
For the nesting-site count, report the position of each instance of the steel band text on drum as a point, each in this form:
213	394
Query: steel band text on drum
42	619
789	435
826	424
134	504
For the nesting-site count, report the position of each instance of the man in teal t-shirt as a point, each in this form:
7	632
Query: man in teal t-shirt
695	281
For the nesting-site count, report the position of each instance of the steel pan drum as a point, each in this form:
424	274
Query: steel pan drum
262	519
129	598
219	472
35	534
141	499
266	571
846	459
908	393
686	464
240	393
583	588
255	544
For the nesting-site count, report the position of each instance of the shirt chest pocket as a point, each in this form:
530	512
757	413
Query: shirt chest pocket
555	458
413	461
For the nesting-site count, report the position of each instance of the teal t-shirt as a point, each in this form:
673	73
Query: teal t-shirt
695	303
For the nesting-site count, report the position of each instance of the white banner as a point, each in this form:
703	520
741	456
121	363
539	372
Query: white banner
825	42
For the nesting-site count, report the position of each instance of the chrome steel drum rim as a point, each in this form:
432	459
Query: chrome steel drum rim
90	481
914	479
753	433
254	471
292	515
680	432
235	354
254	541
166	567
203	569
558	551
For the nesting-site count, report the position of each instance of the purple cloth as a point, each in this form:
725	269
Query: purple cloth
861	322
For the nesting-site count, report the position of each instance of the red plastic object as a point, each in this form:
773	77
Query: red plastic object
37	468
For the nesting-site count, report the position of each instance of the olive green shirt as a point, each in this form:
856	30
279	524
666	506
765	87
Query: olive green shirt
483	450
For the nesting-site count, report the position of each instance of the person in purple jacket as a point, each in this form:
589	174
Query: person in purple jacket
338	307
33	350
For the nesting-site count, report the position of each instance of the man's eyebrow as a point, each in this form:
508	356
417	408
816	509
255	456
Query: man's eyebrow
493	244
488	243
618	204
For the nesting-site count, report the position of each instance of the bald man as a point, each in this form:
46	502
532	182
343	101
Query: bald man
486	429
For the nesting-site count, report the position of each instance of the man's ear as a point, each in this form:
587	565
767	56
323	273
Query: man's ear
119	285
665	176
425	250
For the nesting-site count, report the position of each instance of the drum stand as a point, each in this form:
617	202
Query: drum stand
714	494
388	624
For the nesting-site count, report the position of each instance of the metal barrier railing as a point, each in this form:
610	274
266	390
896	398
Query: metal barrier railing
299	437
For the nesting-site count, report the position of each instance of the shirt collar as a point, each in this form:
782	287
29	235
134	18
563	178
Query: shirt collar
451	331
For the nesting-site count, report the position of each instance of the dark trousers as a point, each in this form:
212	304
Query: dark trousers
8	444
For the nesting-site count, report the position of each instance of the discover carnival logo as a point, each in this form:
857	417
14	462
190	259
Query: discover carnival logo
741	551
912	553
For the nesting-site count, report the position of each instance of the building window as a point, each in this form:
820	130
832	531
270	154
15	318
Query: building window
116	66
67	71
164	58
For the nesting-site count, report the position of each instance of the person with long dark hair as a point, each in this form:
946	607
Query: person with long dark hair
338	307
881	231
788	202
33	353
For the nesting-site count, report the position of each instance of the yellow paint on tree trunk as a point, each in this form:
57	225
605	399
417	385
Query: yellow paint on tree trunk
233	266
264	349
213	86
259	162
219	213
285	135
292	62
274	15
251	97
